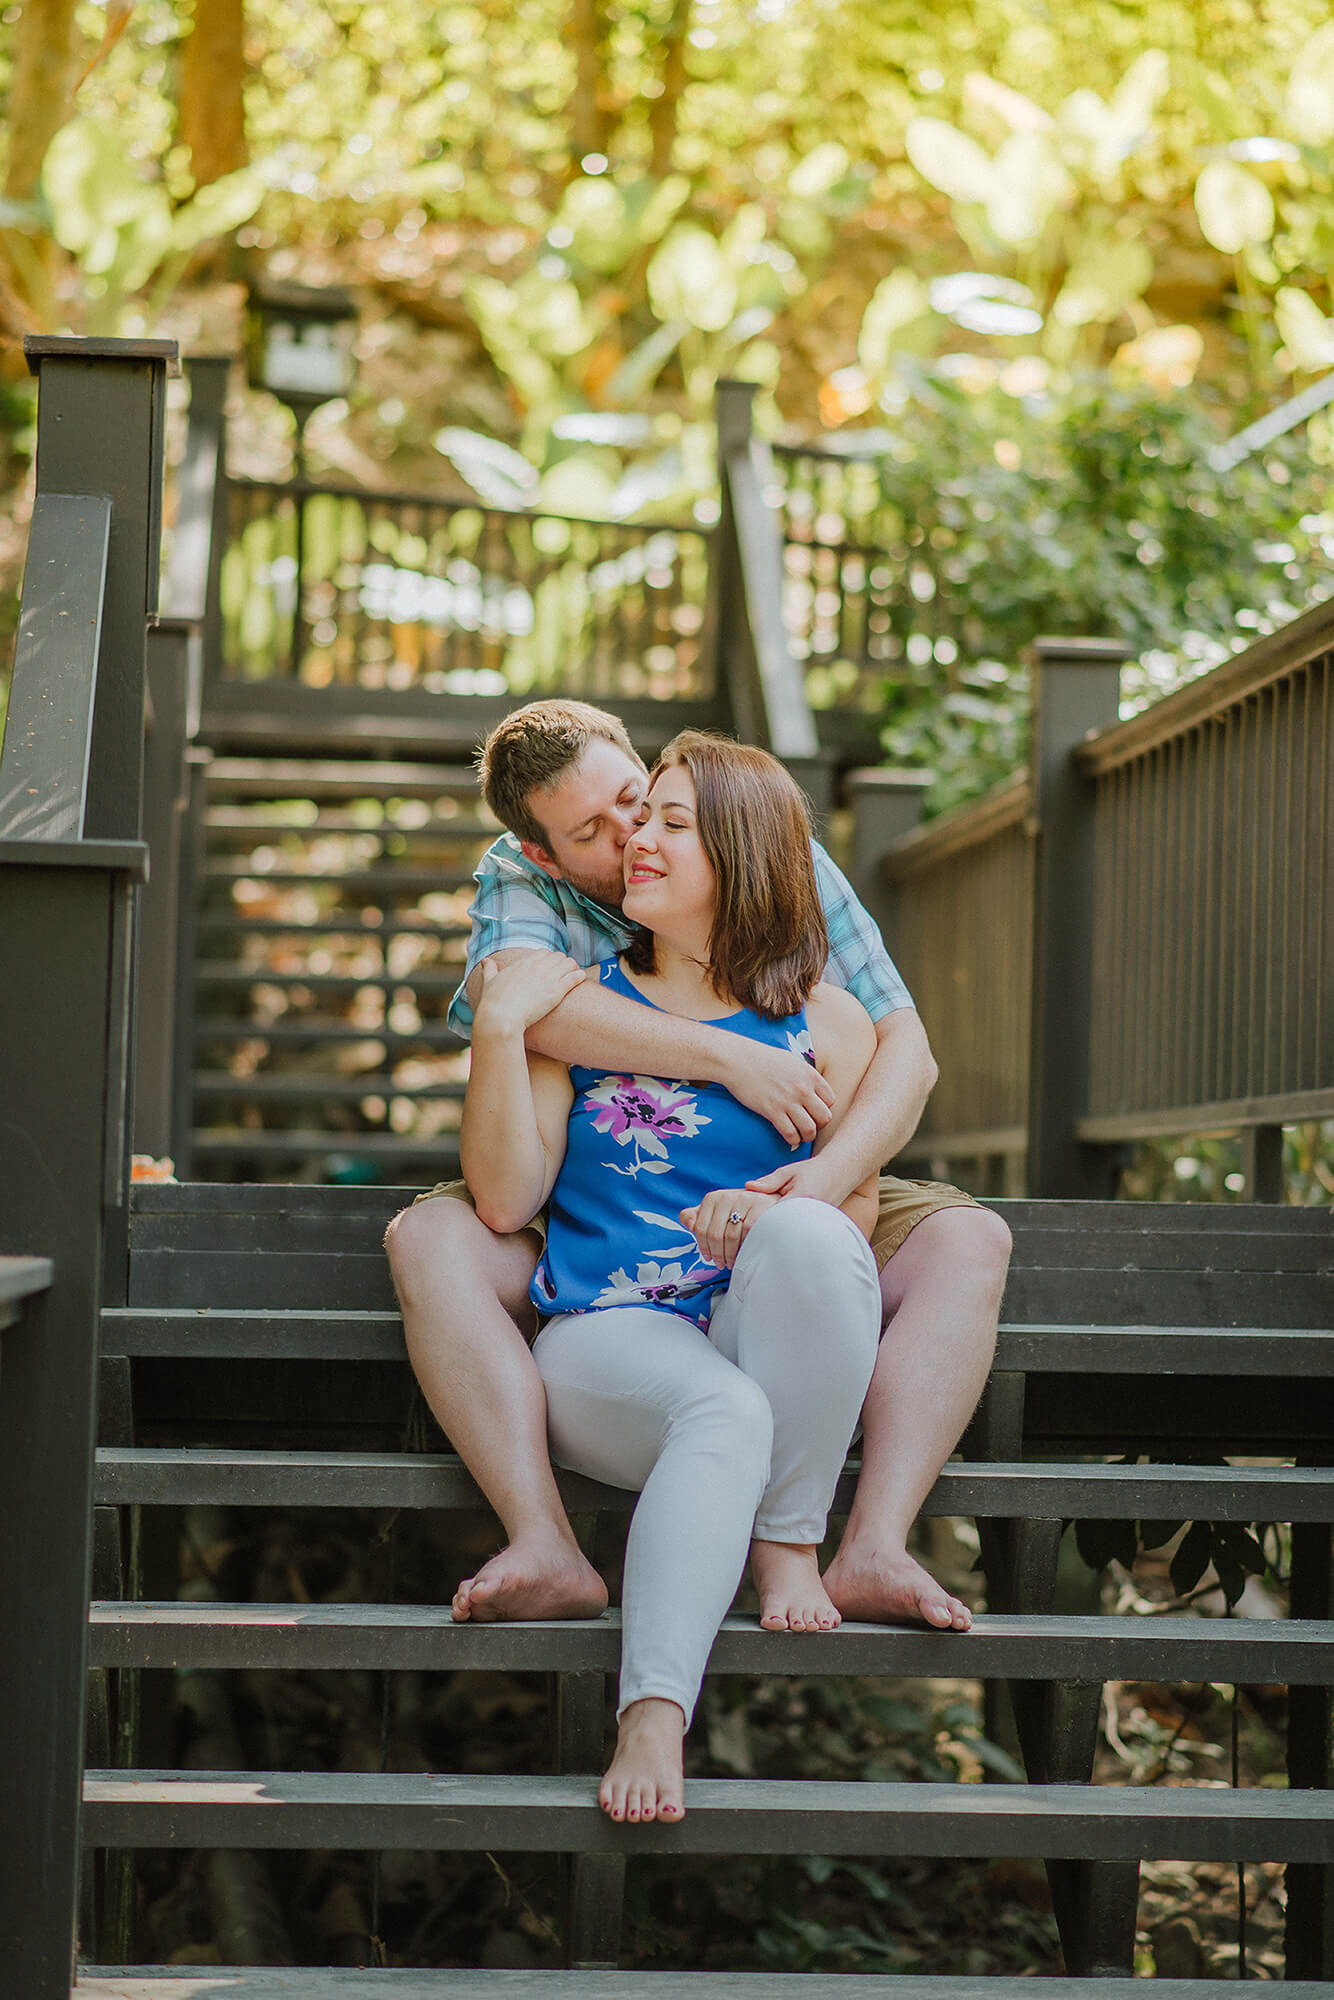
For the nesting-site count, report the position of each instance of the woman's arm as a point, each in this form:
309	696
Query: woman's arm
515	1112
844	1040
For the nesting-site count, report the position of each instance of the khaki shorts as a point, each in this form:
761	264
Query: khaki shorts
903	1204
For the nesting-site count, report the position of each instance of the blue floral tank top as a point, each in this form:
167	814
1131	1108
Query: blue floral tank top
639	1149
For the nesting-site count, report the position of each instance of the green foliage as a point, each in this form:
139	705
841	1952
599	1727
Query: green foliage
1233	1552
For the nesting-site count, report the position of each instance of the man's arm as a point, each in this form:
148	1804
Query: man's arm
881	1118
603	1030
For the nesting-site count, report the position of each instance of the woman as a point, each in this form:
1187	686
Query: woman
709	1345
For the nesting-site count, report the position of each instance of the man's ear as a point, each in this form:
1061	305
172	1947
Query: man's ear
541	859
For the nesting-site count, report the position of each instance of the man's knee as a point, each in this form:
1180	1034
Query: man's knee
419	1237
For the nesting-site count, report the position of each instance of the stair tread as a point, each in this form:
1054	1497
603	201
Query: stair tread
218	1142
338	923
1003	1491
267	1089
225	972
227	820
1033	1348
1256	1652
146	1808
181	1982
320	777
217	1029
418	880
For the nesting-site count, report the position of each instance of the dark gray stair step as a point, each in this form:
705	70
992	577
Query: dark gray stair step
224	977
333	778
378	1336
379	883
219	1028
337	923
295	1809
300	1087
180	1982
423	1638
209	1143
181	1475
227	823
21	1277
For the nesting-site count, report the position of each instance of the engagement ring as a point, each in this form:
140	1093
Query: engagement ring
735	1216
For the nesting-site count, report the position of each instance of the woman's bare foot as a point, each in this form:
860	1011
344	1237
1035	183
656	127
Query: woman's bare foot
889	1587
532	1578
645	1778
792	1597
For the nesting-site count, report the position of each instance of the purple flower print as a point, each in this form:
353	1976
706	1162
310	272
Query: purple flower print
643	1111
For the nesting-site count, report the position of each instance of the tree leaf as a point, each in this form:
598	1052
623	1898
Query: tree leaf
1192	1559
1103	1542
1235	208
948	159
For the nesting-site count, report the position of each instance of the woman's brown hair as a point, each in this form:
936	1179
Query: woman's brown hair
769	944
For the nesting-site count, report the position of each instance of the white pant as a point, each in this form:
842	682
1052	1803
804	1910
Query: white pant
742	1430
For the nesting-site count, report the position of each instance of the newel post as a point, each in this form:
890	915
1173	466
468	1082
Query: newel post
1076	689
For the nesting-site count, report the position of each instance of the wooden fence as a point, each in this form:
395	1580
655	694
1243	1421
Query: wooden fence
1136	939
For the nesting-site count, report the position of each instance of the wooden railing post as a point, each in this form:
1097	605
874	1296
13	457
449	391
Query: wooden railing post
177	648
69	857
885	804
1076	689
762	681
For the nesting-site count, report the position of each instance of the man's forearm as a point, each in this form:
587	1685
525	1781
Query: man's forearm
604	1030
884	1113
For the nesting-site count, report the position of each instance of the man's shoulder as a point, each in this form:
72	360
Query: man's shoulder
506	863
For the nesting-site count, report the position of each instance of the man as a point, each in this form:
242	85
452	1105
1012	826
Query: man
564	778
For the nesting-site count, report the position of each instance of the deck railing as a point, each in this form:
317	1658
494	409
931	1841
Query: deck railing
406	590
1213	897
1137	938
70	859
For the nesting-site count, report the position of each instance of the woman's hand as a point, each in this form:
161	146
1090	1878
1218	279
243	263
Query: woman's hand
723	1220
528	988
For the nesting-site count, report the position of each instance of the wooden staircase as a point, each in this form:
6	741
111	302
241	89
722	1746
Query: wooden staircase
257	1362
330	930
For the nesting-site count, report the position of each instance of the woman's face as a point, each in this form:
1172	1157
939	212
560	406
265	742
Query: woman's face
669	880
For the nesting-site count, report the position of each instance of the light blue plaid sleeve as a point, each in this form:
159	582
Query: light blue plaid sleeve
857	956
510	912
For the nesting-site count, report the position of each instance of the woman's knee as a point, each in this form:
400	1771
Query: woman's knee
810	1243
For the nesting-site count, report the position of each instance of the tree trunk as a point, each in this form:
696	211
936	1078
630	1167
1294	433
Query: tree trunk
672	76
39	92
213	73
592	119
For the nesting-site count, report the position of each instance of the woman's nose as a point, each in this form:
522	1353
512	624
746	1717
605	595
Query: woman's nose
638	838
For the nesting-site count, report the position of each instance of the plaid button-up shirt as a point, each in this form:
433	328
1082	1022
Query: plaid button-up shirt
517	907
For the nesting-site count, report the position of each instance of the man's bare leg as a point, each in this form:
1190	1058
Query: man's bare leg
464	1293
942	1293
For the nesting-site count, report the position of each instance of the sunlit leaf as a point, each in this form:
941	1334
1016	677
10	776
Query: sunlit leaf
948	159
217	209
1235	207
818	172
1306	333
1104	281
689	278
897	301
1310	98
1029	183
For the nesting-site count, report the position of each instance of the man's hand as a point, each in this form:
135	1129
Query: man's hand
810	1178
783	1087
525	990
722	1222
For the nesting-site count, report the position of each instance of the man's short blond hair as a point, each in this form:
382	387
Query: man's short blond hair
532	749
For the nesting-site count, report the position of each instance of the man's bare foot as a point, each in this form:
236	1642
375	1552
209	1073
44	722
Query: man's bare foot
645	1778
532	1579
889	1587
792	1597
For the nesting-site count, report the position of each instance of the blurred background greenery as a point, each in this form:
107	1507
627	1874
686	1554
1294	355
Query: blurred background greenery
1037	263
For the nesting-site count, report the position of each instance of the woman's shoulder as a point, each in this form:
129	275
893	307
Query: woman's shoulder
833	1011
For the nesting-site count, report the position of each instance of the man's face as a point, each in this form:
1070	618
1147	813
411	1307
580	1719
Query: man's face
589	814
